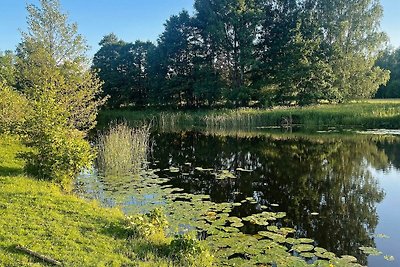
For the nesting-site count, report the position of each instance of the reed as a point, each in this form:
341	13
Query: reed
122	150
361	114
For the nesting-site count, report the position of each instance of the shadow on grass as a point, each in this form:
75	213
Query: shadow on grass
7	171
142	248
116	230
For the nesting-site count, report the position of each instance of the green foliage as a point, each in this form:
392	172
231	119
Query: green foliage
173	62
122	150
390	60
352	42
49	28
13	109
59	150
7	68
189	250
124	69
306	76
51	57
62	95
58	156
153	223
239	53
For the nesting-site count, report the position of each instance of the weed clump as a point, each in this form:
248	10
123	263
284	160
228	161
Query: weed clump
122	150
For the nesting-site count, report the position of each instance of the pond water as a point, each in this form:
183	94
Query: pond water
341	190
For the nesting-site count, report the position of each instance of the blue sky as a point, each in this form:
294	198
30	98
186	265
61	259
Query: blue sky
131	19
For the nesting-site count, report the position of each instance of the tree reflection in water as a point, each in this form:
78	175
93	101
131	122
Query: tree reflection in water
327	175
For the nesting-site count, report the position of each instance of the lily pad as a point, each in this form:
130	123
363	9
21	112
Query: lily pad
201	169
173	169
237	225
370	251
349	258
308	255
303	247
389	258
381	236
243	170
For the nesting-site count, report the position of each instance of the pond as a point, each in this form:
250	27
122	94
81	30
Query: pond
340	189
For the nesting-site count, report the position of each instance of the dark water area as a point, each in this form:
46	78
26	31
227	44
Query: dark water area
342	190
352	182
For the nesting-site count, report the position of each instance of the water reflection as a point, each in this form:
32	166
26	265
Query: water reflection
322	174
331	175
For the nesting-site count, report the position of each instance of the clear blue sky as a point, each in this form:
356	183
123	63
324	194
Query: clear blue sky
131	19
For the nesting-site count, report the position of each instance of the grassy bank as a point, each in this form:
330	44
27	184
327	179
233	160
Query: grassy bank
39	216
365	114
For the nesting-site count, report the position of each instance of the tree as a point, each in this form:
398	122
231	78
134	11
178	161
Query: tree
278	22
124	69
7	68
304	75
239	52
229	28
49	26
13	109
352	40
390	60
173	62
62	93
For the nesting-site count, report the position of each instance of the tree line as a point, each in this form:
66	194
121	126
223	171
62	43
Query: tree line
250	52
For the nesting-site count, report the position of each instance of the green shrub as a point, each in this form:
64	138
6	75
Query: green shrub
188	250
153	223
13	109
122	150
59	156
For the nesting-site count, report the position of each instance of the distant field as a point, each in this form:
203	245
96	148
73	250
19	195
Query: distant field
374	113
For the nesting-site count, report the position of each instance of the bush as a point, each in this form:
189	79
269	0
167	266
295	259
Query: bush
122	150
58	150
182	250
190	251
13	109
59	156
153	223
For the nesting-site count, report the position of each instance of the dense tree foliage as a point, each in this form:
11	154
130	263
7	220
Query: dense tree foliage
7	68
124	69
13	109
390	60
52	74
237	52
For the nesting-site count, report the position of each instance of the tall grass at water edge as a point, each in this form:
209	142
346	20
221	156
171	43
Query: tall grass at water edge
122	150
361	114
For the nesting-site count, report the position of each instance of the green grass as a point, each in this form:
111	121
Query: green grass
39	216
361	114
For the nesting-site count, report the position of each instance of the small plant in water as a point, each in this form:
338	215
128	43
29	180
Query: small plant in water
147	225
122	150
190	251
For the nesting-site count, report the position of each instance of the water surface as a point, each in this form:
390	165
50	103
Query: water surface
342	190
